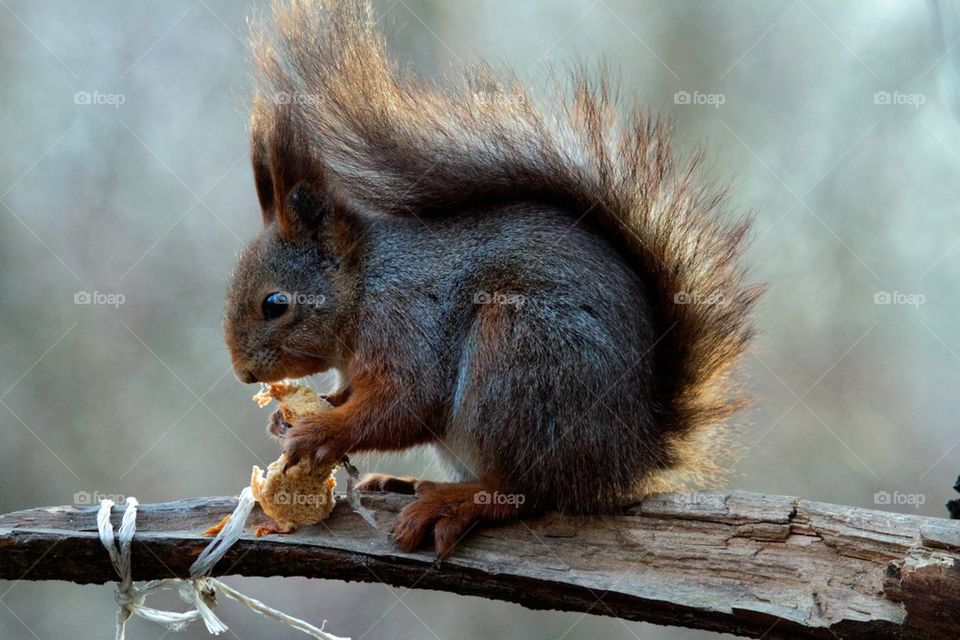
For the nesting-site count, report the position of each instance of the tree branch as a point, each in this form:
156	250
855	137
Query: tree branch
741	563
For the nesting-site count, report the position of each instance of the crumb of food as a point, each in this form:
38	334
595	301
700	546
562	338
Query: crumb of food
217	528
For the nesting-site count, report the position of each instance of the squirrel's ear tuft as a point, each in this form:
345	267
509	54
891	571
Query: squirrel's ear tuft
288	176
260	156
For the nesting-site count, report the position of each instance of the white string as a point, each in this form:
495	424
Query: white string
226	537
199	591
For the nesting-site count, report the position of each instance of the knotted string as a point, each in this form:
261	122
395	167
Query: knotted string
199	591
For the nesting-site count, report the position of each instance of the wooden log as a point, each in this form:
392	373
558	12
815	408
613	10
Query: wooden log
743	563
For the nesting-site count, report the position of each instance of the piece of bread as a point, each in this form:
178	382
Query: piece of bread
304	494
301	496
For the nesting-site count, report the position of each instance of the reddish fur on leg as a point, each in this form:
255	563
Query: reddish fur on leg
448	511
338	397
369	419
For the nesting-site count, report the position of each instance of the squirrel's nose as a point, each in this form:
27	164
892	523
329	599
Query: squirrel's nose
246	377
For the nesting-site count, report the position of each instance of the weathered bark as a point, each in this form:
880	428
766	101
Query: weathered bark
742	563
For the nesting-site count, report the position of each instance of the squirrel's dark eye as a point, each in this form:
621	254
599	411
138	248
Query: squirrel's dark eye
274	305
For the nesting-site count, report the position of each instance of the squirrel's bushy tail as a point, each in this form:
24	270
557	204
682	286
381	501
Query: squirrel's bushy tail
393	144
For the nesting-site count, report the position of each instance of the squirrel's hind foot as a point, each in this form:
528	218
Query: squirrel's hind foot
449	511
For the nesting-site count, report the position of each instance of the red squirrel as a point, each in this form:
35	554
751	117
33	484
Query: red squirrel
544	295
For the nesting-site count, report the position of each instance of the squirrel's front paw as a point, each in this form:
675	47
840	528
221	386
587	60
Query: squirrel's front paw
314	439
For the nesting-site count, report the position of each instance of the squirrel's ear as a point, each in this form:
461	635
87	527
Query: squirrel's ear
288	178
303	212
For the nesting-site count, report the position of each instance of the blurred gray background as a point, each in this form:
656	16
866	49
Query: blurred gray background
124	174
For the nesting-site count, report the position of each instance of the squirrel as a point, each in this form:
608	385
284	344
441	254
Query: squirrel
545	296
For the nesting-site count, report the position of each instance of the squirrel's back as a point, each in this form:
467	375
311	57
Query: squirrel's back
331	107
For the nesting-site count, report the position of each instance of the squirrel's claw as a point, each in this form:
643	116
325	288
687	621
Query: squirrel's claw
296	445
306	438
290	457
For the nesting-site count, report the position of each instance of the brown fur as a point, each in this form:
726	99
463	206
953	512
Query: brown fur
342	144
